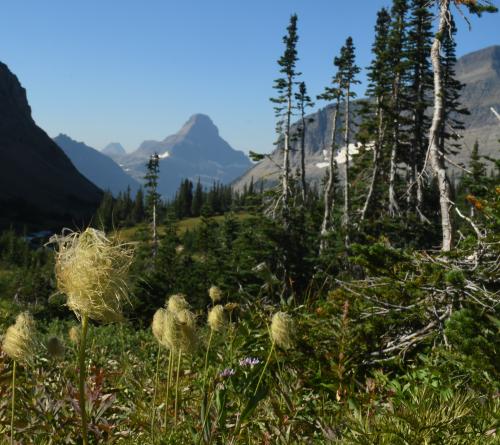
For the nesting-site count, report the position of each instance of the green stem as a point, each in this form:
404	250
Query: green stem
169	379
177	384
206	358
81	383
13	403
264	368
154	393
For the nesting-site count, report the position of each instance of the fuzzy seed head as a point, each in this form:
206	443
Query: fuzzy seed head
19	340
215	294
282	328
177	303
74	335
55	347
217	319
92	271
158	325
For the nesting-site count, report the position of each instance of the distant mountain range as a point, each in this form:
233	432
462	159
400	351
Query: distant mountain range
480	71
96	166
195	152
39	186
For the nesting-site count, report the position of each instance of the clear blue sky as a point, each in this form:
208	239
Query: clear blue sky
126	71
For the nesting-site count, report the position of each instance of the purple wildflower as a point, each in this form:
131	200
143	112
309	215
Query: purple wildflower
249	361
228	372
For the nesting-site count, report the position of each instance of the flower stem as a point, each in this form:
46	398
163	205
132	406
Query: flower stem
13	403
206	358
177	384
169	381
81	383
154	393
264	368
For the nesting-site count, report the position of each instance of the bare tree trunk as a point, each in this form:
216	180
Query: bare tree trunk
155	234
330	186
285	195
303	158
377	149
393	203
436	156
347	204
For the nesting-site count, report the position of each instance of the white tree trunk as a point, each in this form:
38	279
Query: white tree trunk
285	195
330	186
377	149
436	156
347	204
393	202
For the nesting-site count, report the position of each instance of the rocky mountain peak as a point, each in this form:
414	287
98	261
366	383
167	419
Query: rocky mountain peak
479	65
114	149
13	101
198	126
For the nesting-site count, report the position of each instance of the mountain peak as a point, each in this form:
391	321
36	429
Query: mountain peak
479	65
199	125
114	149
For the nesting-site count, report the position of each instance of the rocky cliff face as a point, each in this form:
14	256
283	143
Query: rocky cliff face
480	71
38	183
114	150
195	151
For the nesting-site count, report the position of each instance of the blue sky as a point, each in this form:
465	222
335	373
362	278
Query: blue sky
125	71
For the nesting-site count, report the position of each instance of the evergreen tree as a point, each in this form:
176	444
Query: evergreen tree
419	94
398	60
104	216
284	109
379	90
347	72
152	196
303	102
197	199
138	207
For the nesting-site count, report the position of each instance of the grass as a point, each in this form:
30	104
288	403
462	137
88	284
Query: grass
132	233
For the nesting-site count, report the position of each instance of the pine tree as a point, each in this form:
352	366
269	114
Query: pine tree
419	94
379	89
303	102
477	182
284	109
152	196
331	93
398	60
138	207
197	199
347	71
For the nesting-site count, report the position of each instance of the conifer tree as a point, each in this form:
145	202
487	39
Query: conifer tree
284	109
419	94
303	102
398	60
379	89
197	199
347	71
332	93
138	208
152	196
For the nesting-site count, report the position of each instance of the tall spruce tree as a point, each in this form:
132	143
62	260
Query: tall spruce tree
333	94
398	60
303	102
197	199
419	95
138	207
284	109
379	89
347	70
152	196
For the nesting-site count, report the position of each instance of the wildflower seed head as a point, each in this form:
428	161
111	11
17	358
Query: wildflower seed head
217	318
55	347
19	340
177	303
188	339
158	325
282	328
74	335
92	271
215	294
